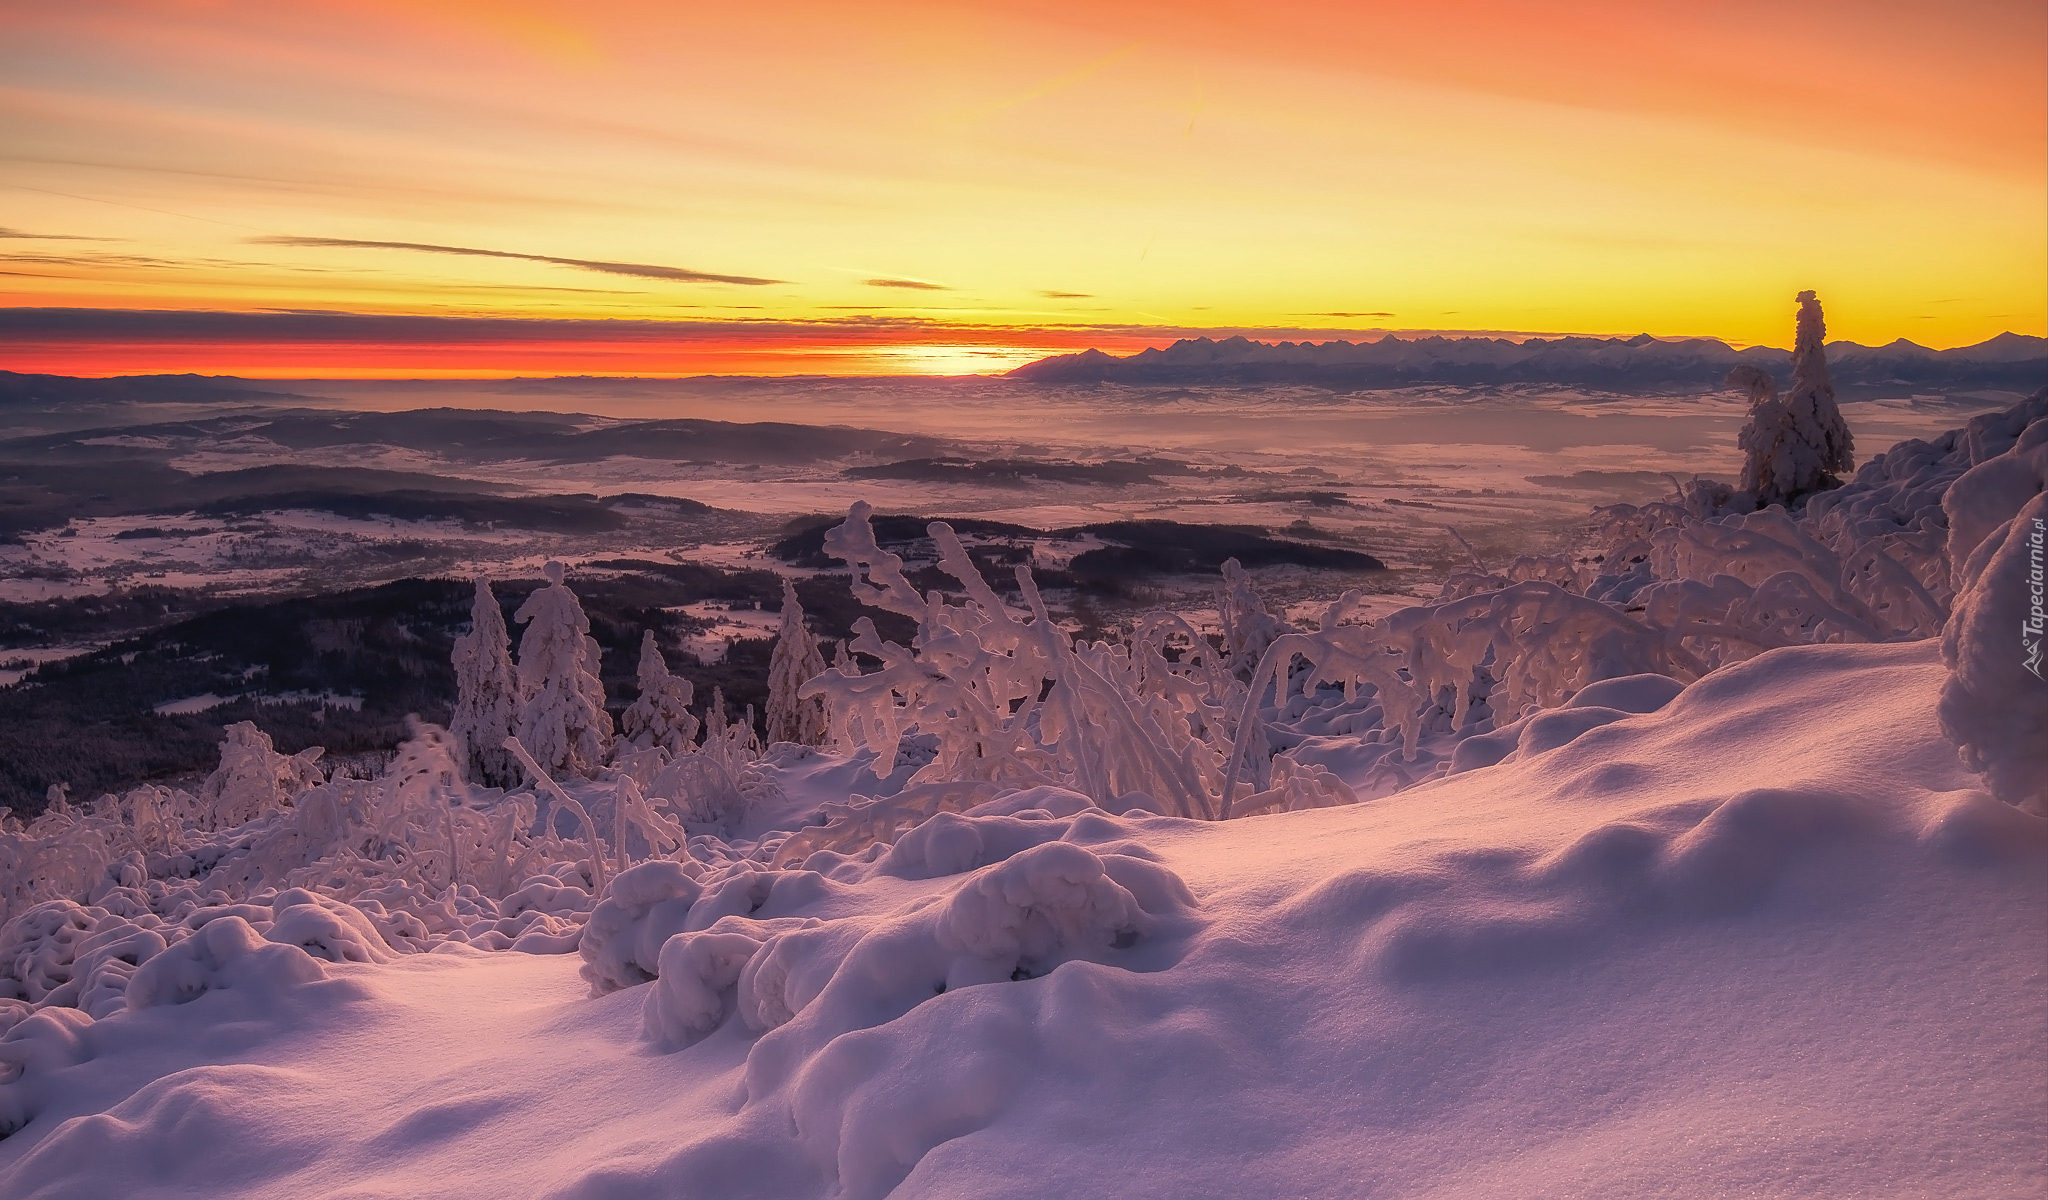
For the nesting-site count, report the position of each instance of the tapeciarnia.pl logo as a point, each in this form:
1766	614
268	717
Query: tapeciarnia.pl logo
2036	621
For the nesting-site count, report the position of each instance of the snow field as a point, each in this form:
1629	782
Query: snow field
1766	939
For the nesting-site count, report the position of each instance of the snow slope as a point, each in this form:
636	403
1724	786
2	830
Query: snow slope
1767	940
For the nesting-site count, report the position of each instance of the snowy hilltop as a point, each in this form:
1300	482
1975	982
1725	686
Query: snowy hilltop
1707	857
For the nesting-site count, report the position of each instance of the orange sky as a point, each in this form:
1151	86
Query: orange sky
939	187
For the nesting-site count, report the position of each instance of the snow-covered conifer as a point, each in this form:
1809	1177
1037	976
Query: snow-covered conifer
563	722
714	720
795	662
661	716
1795	446
486	694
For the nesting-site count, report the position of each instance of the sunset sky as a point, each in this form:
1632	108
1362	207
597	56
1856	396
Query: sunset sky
359	187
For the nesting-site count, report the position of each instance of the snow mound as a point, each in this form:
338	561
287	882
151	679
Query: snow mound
225	953
622	941
1995	704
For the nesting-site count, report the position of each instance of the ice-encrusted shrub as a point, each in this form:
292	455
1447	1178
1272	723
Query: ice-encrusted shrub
1247	627
73	853
253	778
1012	698
1872	560
721	781
344	870
1015	701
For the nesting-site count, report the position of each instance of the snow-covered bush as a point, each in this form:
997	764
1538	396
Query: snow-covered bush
1011	698
1247	627
341	870
562	722
253	778
486	694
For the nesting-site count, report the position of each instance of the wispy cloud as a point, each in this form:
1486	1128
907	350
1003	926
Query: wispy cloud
45	237
397	330
1342	314
918	285
637	270
1052	295
90	259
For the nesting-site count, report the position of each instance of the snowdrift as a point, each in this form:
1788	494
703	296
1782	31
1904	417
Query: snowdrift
1767	938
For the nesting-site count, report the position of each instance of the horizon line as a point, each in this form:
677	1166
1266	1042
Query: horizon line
112	343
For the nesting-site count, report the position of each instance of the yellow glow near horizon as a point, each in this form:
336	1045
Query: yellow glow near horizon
1605	168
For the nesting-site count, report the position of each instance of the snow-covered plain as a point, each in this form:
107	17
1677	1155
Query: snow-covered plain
1508	467
1656	872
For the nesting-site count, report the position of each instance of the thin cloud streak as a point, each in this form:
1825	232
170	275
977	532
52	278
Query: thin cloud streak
913	284
636	270
45	237
101	260
397	330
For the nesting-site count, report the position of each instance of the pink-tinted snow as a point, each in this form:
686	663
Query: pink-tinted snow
1768	939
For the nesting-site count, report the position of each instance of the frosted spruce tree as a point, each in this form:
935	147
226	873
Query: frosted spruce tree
562	723
1798	445
486	694
795	662
661	716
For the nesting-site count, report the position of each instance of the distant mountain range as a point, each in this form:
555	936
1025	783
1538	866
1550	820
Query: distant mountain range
2010	361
